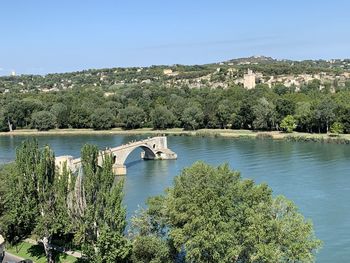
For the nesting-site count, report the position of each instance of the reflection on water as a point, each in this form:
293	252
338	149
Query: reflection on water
315	176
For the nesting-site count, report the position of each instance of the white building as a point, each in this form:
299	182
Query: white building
249	80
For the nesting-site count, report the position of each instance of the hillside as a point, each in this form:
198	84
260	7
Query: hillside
224	74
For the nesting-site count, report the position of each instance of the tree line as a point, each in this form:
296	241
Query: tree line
160	107
210	214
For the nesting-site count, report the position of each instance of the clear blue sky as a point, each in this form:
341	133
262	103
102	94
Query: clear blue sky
40	36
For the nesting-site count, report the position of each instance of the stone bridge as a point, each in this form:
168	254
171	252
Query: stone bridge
155	148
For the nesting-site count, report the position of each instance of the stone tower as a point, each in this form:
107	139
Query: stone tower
249	80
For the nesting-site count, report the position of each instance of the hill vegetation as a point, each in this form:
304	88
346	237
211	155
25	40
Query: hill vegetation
190	97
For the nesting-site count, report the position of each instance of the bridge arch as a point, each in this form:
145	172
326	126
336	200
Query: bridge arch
155	148
121	156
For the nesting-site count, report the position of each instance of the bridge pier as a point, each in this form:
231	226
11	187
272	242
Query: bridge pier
119	169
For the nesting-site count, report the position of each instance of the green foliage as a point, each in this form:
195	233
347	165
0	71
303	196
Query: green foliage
3	121
324	113
284	107
224	113
265	115
14	113
106	98
112	247
101	223
61	113
192	118
102	119
8	225
35	198
337	128
245	116
281	89
311	86
21	199
162	118
215	216
288	124
150	249
132	117
80	117
345	119
43	120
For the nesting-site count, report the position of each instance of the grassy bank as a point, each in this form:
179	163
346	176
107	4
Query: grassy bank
37	253
116	131
295	136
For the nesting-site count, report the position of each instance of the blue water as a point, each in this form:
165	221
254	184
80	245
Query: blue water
315	176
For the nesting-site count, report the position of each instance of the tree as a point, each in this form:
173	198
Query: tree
325	113
21	197
102	119
43	120
132	117
223	114
177	104
61	113
211	214
30	106
14	115
100	219
192	118
18	112
246	115
113	106
284	107
79	117
45	192
162	118
337	128
312	86
288	124
280	89
34	200
265	115
150	249
3	122
6	176
345	119
303	115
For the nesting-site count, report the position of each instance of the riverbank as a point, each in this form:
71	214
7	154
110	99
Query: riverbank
276	135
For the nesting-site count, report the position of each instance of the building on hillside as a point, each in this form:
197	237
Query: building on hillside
170	72
167	71
249	80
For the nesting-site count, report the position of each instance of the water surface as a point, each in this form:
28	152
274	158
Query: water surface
315	176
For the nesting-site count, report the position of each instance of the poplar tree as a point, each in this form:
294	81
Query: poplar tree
45	191
36	201
100	214
20	201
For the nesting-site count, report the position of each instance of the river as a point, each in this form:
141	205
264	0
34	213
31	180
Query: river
315	176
